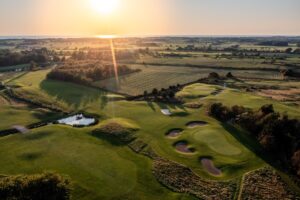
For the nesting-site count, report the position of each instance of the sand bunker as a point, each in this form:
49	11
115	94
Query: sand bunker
77	120
166	112
210	167
174	133
182	146
195	124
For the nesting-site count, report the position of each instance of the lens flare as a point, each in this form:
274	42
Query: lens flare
113	54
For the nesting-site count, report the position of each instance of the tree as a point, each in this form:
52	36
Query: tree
171	94
48	186
145	93
56	59
32	66
155	92
288	50
1	86
296	162
267	109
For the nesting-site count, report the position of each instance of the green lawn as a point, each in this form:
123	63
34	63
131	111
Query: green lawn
98	169
103	171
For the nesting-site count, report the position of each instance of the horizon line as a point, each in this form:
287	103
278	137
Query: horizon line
138	36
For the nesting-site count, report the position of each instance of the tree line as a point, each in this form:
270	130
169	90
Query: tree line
40	186
87	72
43	55
277	133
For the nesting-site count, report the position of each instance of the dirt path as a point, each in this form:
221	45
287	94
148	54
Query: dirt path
241	187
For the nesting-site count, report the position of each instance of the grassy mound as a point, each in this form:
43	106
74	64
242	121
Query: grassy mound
116	131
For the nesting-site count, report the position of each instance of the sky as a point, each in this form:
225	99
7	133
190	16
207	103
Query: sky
150	17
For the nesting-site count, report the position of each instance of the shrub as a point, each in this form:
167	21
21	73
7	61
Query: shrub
214	75
46	186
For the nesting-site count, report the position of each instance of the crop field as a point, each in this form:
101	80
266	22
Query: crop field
159	77
211	60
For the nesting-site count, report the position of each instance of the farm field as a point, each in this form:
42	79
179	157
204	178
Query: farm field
151	76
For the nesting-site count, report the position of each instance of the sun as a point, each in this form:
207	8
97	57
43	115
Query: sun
104	6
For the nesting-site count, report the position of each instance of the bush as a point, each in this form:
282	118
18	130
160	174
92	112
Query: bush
214	75
46	186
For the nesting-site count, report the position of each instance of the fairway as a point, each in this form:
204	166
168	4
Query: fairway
117	171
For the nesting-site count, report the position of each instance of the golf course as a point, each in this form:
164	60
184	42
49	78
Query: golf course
103	169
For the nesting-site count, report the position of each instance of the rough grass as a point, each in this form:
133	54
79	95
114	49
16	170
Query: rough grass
180	178
266	184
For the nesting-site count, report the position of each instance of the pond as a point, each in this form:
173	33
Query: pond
77	120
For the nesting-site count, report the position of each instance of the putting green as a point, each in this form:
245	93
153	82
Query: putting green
196	90
215	139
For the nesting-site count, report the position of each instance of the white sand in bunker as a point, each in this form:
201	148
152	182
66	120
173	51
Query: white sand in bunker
166	112
210	167
195	124
174	133
182	146
77	120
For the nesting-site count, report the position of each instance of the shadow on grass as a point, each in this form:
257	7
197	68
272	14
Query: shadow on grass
46	115
151	105
30	156
171	106
73	94
250	143
114	140
39	135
